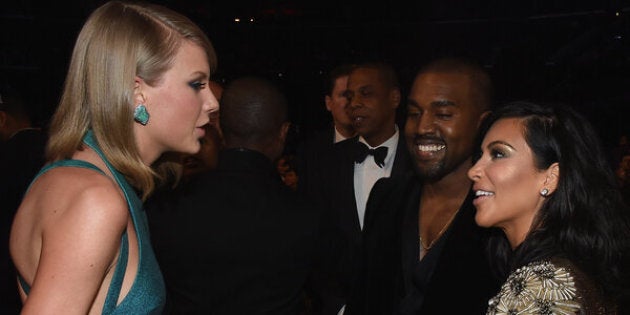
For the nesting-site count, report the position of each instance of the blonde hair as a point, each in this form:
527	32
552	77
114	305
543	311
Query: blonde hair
118	42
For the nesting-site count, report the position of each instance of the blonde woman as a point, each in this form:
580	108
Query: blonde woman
136	88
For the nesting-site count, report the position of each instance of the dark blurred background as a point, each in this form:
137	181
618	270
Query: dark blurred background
571	51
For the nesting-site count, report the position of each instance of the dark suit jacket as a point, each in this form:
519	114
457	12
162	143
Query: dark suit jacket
332	187
309	152
234	240
455	278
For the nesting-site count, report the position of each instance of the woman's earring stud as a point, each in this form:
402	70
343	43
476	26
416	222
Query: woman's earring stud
141	115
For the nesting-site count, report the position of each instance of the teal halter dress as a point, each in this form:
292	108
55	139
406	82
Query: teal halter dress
148	293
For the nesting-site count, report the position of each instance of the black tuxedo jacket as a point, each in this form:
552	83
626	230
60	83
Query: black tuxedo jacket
309	152
456	277
234	240
332	187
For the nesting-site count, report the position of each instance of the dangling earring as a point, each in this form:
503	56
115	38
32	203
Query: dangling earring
544	192
141	115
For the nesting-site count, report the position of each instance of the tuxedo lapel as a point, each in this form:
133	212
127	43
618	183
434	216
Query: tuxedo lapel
348	199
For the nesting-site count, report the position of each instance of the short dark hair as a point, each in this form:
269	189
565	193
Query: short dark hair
252	110
386	72
479	77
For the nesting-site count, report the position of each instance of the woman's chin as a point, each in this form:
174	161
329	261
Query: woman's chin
482	221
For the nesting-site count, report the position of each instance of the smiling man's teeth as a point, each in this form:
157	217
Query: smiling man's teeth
431	147
483	193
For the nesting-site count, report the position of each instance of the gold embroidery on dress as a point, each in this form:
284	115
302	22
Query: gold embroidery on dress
538	288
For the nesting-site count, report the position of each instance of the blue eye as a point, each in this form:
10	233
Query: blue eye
197	85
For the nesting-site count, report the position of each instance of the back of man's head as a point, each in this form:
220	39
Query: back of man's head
253	113
479	77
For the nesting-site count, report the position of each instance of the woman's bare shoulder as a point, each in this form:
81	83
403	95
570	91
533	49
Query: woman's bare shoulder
67	234
67	192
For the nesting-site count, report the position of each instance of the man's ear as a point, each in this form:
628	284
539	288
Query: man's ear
328	101
284	131
552	176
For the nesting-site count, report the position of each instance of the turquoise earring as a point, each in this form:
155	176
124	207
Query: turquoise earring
141	115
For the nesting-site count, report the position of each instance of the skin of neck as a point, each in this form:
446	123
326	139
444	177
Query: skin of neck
515	238
272	147
455	184
270	151
148	156
517	232
379	138
345	130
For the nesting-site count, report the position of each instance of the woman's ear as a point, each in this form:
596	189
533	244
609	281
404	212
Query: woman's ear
551	179
138	91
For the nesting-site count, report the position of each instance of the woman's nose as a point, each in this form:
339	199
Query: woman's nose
474	173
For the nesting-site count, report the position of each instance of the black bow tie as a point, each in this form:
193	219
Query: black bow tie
363	151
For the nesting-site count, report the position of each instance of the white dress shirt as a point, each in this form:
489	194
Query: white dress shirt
338	136
367	173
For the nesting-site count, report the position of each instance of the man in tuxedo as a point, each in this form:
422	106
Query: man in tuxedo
235	240
344	185
321	142
424	254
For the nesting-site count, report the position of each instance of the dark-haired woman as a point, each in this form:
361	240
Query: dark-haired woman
543	180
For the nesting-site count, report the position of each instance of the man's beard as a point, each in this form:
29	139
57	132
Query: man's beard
432	172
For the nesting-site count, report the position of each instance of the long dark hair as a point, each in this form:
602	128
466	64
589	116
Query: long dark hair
585	219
